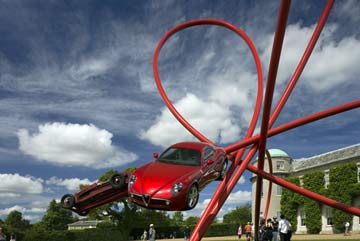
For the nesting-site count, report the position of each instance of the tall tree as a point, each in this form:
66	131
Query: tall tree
56	217
239	215
191	221
15	220
178	219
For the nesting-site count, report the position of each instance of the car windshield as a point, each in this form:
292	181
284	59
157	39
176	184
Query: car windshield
181	156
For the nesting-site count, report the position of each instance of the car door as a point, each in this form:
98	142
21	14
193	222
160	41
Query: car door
208	167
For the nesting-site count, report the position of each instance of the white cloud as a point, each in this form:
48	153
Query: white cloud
73	145
71	184
92	67
12	185
242	180
6	211
332	63
31	214
239	197
210	118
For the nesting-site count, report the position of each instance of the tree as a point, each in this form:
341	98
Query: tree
178	219
191	221
56	217
239	215
16	221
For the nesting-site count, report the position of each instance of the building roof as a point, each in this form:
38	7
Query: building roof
85	223
277	153
335	156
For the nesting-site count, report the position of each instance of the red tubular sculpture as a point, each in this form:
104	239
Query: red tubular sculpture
268	199
258	142
270	86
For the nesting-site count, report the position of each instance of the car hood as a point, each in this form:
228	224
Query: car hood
156	175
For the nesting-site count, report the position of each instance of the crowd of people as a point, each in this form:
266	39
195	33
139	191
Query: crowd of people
151	234
270	230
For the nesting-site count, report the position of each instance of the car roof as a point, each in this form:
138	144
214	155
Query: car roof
192	145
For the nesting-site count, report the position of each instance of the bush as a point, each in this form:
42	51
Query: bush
314	182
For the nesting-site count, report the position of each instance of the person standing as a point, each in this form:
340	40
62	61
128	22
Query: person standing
268	231
239	232
347	228
152	233
275	225
248	229
284	228
144	236
186	233
12	237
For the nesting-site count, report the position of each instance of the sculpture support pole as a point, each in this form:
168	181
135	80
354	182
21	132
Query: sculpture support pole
270	86
268	199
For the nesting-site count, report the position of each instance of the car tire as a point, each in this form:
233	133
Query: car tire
84	213
192	197
223	171
117	181
68	201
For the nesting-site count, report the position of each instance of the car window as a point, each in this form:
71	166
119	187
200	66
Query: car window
208	154
181	156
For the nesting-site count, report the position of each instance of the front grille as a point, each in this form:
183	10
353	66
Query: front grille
136	196
146	200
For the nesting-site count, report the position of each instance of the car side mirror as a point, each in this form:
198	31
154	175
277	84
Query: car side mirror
155	155
209	162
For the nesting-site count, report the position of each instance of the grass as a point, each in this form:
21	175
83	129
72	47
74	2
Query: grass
301	240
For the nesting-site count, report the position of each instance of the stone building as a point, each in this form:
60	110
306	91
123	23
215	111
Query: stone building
285	166
83	224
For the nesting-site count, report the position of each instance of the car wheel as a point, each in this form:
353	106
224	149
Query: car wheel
84	213
67	201
223	171
192	197
117	181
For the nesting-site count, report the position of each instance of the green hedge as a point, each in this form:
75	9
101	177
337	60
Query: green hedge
290	202
314	182
341	187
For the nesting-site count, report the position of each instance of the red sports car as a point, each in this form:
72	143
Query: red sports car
173	181
97	194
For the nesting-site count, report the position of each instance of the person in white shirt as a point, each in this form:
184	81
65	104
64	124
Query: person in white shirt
347	228
284	228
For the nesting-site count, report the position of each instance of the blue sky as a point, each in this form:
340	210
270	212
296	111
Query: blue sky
78	95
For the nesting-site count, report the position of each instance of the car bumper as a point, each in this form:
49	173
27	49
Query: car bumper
153	202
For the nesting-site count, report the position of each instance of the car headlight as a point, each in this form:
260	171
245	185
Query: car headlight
176	188
132	180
